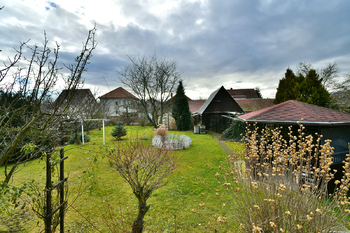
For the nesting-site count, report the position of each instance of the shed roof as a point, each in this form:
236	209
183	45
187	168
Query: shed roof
118	93
212	97
292	111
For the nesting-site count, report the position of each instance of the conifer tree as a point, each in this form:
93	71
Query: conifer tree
308	89
312	90
119	130
181	111
287	88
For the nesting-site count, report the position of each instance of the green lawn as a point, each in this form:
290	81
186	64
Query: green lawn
104	199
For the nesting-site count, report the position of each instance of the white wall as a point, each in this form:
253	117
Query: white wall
116	107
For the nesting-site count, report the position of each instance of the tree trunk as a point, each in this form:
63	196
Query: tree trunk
137	226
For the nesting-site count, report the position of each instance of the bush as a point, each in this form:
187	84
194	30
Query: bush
73	138
119	131
282	188
235	132
162	131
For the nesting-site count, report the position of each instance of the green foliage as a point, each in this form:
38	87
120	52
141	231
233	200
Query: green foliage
312	91
37	140
287	88
119	130
235	132
73	138
181	111
258	92
12	103
308	89
10	198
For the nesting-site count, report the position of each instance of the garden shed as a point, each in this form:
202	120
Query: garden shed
219	104
332	124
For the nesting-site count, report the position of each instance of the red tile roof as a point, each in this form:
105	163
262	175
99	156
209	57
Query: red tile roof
291	111
195	105
118	93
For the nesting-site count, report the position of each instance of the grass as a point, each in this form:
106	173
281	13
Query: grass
104	196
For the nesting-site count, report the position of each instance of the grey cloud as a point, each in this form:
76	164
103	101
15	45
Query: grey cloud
235	43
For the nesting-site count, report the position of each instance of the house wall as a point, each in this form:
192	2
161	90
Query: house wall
116	107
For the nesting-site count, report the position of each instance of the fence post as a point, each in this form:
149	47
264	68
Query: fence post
62	191
48	217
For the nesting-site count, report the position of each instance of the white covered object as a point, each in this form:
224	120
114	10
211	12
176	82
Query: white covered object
172	142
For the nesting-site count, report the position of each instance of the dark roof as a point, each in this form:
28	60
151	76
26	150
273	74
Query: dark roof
243	93
216	95
78	96
250	105
195	105
173	97
292	111
118	93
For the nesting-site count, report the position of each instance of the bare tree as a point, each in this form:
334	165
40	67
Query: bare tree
152	80
303	68
328	74
144	167
25	95
341	95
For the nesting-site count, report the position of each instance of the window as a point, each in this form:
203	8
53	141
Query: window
116	102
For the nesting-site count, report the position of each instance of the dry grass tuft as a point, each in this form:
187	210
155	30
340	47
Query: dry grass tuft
162	130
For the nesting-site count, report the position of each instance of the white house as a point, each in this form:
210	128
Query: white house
118	102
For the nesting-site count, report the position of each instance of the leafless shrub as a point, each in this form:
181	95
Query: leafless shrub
144	167
283	187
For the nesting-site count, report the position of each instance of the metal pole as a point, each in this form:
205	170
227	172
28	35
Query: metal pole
103	126
82	131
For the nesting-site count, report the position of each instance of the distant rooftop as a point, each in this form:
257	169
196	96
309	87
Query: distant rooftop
250	105
76	96
118	93
195	105
242	93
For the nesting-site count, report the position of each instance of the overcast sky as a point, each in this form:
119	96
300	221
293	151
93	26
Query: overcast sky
237	44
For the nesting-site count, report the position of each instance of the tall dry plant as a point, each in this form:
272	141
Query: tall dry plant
282	187
162	130
144	167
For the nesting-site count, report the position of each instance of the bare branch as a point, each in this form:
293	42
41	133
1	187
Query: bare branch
25	97
152	80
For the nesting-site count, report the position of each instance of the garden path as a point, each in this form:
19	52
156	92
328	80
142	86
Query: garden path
227	150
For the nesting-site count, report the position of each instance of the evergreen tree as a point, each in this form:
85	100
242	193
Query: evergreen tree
307	89
119	130
181	111
258	92
235	132
312	90
287	88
